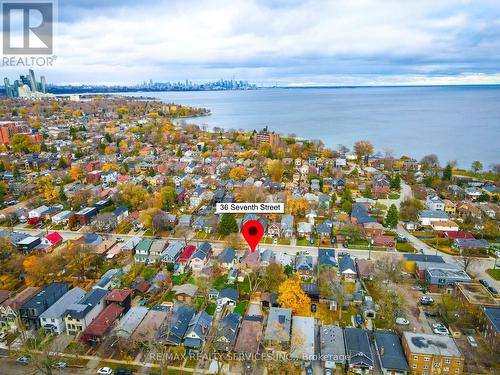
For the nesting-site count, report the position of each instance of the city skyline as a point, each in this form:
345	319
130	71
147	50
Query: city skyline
276	43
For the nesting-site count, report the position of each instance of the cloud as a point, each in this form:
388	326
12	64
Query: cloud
289	42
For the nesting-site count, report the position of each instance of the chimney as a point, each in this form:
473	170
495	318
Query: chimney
381	351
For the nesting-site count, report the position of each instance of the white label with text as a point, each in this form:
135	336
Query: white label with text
245	208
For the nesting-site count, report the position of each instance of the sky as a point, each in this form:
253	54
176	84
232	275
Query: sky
289	43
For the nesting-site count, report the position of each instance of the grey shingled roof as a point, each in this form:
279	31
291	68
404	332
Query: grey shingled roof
390	351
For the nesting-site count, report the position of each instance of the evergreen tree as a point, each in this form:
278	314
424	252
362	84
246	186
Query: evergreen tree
447	172
392	218
62	194
228	225
396	182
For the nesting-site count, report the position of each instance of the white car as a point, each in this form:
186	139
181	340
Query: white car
472	341
441	331
402	321
219	308
105	371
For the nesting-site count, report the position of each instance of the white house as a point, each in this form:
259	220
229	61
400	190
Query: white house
37	212
52	319
434	203
61	217
426	217
445	226
80	314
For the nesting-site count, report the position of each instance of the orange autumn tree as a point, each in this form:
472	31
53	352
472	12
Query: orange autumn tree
293	297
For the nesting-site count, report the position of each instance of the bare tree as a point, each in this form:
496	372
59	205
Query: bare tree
466	258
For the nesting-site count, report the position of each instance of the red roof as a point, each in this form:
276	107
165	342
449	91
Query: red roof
455	235
103	321
54	238
142	286
186	254
118	295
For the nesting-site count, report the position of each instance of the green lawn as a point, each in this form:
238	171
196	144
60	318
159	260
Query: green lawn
125	228
211	308
284	241
241	307
405	247
394	196
495	273
182	278
220	282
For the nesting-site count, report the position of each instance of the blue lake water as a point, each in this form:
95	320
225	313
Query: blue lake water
459	123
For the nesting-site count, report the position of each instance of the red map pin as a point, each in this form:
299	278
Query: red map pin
252	231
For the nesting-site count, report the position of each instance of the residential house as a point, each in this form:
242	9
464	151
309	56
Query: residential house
250	332
227	258
185	256
434	203
52	319
384	241
473	193
80	314
9	309
122	297
277	333
179	324
156	250
443	277
304	229
130	321
185	292
31	310
327	258
197	331
450	207
303	338
426	217
121	213
304	265
470	244
250	259
102	324
267	257
360	215
225	296
332	346
200	257
444	226
366	269
227	330
347	267
172	252
358	350
432	354
373	229
390	353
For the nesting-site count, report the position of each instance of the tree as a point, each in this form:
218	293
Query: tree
62	194
293	297
430	161
273	276
466	258
235	241
275	169
76	172
298	207
168	198
22	143
3	190
362	149
132	195
79	259
409	209
447	172
476	166
228	225
396	182
392	218
237	173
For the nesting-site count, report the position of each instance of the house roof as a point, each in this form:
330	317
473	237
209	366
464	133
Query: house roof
228	327
47	295
199	325
59	307
303	333
186	253
332	343
390	351
227	255
229	293
79	310
430	214
202	251
189	289
20	298
421	343
358	347
118	295
248	336
493	315
179	322
144	245
54	238
423	258
131	320
278	324
103	321
346	264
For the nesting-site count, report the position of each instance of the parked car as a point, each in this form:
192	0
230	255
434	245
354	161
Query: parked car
59	364
328	371
472	341
484	283
219	308
402	321
123	371
426	301
23	360
431	313
309	370
493	290
441	331
105	371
